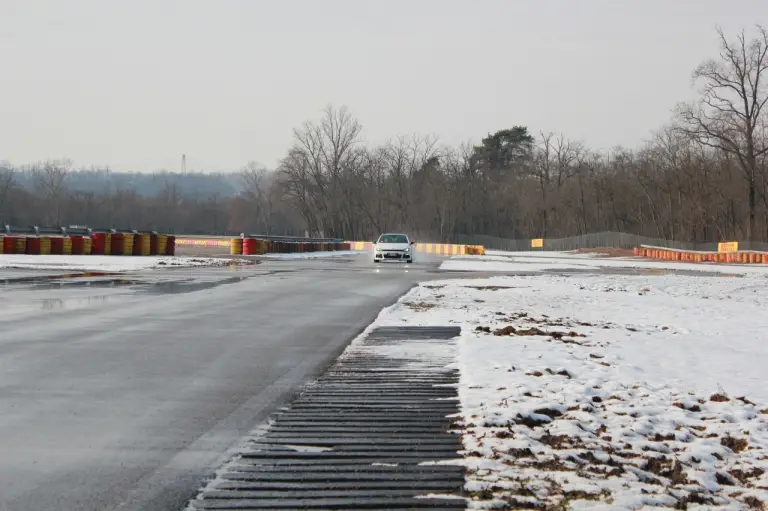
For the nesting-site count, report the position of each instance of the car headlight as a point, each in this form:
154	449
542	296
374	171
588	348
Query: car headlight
408	249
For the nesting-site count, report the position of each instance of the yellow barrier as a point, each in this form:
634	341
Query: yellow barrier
45	245
236	246
202	242
144	244
128	240
162	244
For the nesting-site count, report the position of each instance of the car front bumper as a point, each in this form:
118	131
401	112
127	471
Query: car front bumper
392	256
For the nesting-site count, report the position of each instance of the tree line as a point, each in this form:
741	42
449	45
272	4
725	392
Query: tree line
703	177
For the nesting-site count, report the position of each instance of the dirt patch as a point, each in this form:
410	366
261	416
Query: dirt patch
734	444
745	475
688	407
512	331
719	398
420	306
488	288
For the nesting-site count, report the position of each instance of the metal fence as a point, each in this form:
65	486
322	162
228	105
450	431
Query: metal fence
597	240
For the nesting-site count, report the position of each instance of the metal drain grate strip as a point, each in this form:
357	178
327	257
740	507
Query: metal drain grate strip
358	437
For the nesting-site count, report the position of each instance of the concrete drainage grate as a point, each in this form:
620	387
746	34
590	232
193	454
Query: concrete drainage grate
358	437
391	333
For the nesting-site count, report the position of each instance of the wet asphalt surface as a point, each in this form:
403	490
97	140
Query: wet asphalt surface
126	391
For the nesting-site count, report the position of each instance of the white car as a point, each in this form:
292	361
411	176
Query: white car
393	247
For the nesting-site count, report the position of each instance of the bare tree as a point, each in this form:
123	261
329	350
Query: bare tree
255	180
7	182
729	116
50	182
327	151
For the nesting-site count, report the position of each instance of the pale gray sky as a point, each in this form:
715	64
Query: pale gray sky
135	83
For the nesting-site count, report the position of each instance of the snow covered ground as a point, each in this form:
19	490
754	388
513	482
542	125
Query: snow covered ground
508	262
608	391
103	263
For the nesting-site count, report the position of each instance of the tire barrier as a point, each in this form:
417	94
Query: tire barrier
252	245
688	256
78	246
32	246
45	245
99	246
236	246
57	245
83	241
162	244
170	246
118	241
128	240
142	245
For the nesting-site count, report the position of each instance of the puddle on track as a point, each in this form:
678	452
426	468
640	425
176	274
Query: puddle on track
74	303
188	286
58	278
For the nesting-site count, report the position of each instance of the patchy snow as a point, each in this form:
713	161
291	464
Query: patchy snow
104	263
312	255
607	391
516	262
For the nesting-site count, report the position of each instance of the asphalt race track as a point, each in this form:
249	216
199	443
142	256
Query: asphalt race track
126	391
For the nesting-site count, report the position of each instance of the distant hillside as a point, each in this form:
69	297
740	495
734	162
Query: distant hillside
198	185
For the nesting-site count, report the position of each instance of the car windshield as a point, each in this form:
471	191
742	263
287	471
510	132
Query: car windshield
393	238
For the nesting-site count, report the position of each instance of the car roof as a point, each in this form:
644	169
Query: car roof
393	234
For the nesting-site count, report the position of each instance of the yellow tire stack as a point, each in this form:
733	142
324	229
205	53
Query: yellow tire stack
145	243
236	246
162	244
45	245
128	240
66	246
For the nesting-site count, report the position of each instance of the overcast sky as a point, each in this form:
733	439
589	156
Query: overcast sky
135	83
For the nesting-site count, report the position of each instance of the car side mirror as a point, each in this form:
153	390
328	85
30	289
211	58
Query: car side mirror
413	243
373	242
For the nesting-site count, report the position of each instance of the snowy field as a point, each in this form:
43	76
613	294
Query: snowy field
104	263
509	262
607	391
137	263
